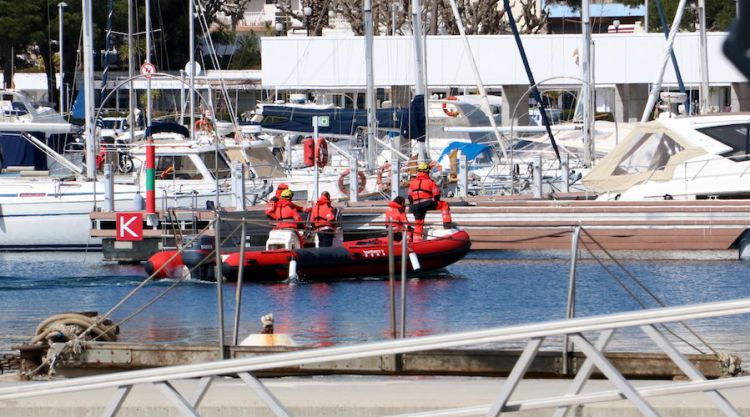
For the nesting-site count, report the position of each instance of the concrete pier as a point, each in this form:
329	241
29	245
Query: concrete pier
334	396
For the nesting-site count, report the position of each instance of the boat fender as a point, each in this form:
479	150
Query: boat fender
293	270
414	261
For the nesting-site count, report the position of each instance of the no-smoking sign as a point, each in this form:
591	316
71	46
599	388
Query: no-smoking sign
148	69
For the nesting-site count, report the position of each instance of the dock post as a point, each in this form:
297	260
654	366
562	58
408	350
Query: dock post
404	261
391	276
565	168
745	245
353	180
238	186
537	174
218	277
463	176
395	180
570	310
109	188
238	290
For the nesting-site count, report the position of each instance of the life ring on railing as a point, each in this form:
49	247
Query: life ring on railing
361	180
384	186
202	125
321	152
450	110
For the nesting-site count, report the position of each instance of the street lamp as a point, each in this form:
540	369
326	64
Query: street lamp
279	28
61	6
308	12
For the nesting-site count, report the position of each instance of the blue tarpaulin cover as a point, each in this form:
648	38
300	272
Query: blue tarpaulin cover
471	150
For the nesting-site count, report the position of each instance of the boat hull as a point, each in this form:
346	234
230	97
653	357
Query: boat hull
362	258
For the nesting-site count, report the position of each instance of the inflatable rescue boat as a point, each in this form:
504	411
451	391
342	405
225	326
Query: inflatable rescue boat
283	258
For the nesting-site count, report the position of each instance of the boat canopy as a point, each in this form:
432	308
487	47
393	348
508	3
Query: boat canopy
651	151
470	150
167	127
410	122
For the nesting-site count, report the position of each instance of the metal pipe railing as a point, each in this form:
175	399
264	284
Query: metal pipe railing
297	358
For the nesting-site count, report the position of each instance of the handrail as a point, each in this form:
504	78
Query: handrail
297	358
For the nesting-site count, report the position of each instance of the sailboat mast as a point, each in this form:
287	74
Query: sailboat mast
420	87
88	88
703	55
148	60
656	85
370	80
586	89
131	63
191	55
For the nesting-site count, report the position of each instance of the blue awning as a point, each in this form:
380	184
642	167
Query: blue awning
471	150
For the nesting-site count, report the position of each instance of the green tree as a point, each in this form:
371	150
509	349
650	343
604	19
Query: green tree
719	13
21	23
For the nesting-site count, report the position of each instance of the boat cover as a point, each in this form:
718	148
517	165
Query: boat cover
470	150
410	121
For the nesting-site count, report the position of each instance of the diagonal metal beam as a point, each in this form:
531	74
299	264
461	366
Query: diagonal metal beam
689	369
515	376
117	400
177	399
267	396
585	372
614	375
200	390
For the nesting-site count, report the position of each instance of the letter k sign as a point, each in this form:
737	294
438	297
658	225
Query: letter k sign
129	226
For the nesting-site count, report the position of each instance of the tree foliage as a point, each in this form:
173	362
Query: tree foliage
485	17
719	13
22	24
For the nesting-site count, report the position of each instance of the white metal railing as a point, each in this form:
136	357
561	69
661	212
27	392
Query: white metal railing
536	333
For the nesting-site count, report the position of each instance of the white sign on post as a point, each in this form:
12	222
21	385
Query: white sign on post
322	121
148	69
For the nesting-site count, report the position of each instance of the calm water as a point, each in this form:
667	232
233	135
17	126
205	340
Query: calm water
484	290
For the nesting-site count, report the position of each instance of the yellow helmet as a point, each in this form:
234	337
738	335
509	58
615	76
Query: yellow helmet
287	194
423	166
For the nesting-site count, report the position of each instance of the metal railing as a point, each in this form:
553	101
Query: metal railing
534	333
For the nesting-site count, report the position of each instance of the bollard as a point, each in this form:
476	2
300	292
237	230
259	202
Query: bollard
109	188
238	185
463	176
537	174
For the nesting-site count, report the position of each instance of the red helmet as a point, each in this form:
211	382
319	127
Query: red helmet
283	186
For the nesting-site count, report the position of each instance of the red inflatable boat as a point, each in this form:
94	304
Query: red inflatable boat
358	258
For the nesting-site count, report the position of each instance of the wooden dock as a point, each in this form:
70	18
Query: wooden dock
498	224
98	357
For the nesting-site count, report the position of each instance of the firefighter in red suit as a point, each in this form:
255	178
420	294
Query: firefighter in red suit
286	213
396	216
424	195
322	217
273	202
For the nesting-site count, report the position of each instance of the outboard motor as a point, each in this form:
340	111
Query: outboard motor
193	257
283	239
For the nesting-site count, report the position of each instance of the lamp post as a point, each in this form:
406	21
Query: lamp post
61	6
308	12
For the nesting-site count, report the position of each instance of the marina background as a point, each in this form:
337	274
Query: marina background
486	289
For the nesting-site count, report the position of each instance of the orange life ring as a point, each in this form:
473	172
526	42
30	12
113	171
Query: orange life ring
321	152
384	186
361	180
451	111
203	125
